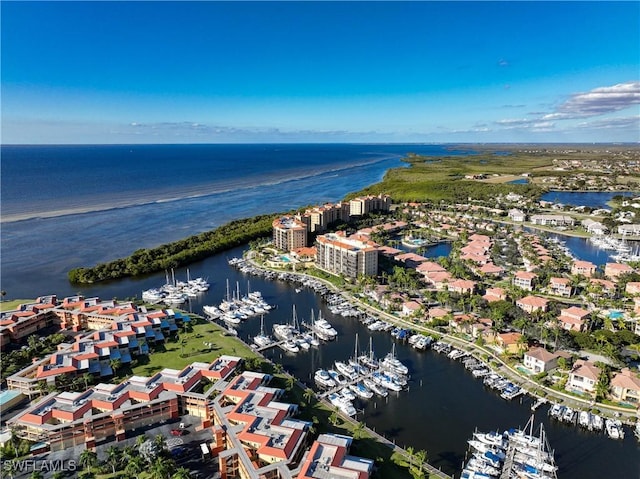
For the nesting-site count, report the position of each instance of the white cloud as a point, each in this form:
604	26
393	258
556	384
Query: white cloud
598	101
628	122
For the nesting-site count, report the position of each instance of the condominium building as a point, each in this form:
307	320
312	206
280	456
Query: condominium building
289	233
366	204
319	218
105	411
339	254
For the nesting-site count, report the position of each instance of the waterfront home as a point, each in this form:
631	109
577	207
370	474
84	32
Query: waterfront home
378	294
585	268
389	252
594	227
480	327
410	260
573	318
328	457
524	280
515	214
538	360
531	304
427	267
583	377
552	220
614	270
461	323
495	294
560	287
629	230
437	313
461	286
632	288
305	255
409	308
510	343
366	204
625	387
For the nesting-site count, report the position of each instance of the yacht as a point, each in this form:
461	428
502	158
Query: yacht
323	378
261	340
361	390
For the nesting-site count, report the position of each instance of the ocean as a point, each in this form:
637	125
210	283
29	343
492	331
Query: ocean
69	206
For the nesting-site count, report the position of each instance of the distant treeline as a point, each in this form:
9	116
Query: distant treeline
178	253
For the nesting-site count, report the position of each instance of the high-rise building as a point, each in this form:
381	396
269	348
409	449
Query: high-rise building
289	233
339	254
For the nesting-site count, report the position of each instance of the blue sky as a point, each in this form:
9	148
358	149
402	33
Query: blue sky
209	72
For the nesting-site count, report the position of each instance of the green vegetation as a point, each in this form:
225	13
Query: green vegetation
443	179
206	342
36	347
13	304
178	253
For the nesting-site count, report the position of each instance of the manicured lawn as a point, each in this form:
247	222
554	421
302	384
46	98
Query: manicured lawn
13	304
190	347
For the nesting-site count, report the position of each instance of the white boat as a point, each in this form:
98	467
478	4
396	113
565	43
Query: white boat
346	369
375	387
212	311
323	378
348	394
262	340
392	363
361	390
337	377
290	346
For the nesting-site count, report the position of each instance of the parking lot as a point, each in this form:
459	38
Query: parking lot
184	448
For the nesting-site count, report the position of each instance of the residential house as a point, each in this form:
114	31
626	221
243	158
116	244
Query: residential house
632	288
510	343
410	308
614	270
594	227
625	387
602	287
524	280
490	269
585	268
462	286
552	220
560	287
531	304
583	377
515	214
538	360
495	294
573	318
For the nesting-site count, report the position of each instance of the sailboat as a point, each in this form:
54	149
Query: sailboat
261	340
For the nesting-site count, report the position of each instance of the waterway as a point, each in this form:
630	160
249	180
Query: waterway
592	199
444	403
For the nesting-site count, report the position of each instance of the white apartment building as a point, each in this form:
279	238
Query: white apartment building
339	254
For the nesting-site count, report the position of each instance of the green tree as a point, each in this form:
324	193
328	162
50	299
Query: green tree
114	456
135	465
88	459
181	473
358	430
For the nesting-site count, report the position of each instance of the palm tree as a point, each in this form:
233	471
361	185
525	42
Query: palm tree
333	418
161	468
135	465
160	441
358	430
308	395
88	458
290	382
421	458
181	473
410	452
36	475
113	457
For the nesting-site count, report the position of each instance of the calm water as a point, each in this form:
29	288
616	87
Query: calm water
145	196
592	199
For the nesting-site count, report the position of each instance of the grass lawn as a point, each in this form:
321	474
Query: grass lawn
187	348
13	304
